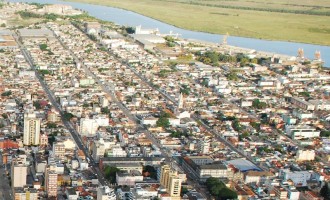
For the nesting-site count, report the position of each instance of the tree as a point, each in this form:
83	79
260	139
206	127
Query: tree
209	57
37	105
51	139
5	116
110	173
105	110
51	125
325	191
163	122
43	47
258	104
226	193
130	30
150	171
236	125
67	116
6	94
232	76
219	190
185	90
325	133
305	94
255	125
184	191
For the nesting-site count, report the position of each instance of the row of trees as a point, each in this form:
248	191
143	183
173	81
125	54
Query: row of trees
213	58
28	14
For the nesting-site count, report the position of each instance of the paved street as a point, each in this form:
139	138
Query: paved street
5	190
67	124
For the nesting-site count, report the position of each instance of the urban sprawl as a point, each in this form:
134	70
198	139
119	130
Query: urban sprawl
94	110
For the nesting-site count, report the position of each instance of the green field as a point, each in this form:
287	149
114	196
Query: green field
295	20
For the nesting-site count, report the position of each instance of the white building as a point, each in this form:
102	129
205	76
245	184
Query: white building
102	120
106	193
18	175
305	155
174	121
320	104
88	127
31	129
301	131
203	147
51	182
98	151
257	177
149	121
299	178
123	178
117	151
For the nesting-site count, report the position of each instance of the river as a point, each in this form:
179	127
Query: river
128	18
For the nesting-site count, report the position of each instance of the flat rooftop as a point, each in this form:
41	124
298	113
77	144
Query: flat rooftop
6	39
43	32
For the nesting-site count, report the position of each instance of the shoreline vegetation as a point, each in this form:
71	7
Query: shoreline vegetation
261	19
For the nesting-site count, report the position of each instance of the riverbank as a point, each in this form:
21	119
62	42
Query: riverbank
312	29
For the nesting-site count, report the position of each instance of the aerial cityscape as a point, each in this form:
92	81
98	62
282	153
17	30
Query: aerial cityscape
96	110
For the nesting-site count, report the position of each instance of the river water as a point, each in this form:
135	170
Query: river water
128	18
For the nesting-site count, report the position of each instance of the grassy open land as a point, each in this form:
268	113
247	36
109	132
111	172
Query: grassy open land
19	22
295	20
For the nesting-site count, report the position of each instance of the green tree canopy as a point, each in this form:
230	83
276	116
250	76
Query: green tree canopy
219	190
163	122
110	173
258	104
325	191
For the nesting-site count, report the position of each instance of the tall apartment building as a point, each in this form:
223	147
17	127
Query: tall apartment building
171	181
98	151
31	129
51	181
18	174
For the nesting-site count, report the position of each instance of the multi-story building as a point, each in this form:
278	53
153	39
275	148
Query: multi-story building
43	140
299	178
280	193
59	150
305	155
310	195
31	129
258	178
171	181
98	151
18	174
106	193
302	104
301	131
21	193
51	182
88	127
53	116
203	147
320	104
128	178
203	168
